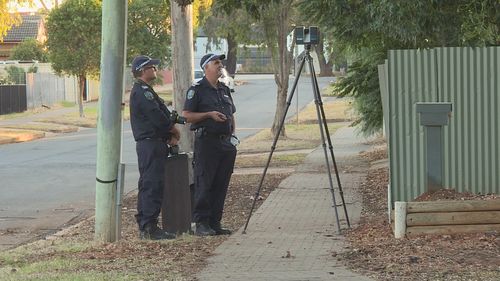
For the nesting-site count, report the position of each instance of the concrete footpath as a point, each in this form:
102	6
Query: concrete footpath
293	235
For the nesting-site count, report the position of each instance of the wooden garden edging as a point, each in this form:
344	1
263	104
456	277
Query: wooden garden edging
446	217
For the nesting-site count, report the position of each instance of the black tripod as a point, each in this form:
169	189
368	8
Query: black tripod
323	129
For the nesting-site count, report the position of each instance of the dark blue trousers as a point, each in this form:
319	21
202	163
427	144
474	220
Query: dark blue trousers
151	155
213	166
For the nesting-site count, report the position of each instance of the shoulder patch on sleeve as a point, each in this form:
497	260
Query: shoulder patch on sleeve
190	94
149	95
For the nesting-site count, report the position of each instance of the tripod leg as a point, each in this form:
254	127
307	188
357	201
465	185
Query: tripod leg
273	147
330	146
321	125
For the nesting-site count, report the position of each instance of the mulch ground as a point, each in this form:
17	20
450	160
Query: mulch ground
178	259
375	252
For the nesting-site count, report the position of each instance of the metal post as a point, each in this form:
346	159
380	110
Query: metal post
108	126
434	142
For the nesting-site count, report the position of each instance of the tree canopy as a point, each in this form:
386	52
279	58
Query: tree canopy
74	37
74	40
30	49
7	20
370	28
148	30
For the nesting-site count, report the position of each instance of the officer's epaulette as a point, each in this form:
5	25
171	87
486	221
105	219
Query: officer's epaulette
145	87
197	83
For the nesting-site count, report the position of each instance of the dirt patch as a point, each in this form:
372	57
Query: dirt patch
20	135
136	259
375	252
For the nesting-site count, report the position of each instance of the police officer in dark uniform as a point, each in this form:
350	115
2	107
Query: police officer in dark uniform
152	129
209	108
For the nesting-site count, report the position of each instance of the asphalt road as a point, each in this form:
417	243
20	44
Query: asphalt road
49	183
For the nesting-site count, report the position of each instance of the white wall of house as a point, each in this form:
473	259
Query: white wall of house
202	47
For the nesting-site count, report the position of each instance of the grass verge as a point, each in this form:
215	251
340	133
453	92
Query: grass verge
278	160
75	255
302	136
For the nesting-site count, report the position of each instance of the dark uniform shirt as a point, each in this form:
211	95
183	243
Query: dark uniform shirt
203	97
149	116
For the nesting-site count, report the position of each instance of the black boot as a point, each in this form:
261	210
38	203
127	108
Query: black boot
203	229
153	232
219	230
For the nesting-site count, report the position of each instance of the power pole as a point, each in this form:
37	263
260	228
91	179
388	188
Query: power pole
114	22
182	61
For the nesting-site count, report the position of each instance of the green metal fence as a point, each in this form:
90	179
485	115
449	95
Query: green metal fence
470	79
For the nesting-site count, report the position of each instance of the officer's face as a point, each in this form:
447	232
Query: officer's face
149	73
214	68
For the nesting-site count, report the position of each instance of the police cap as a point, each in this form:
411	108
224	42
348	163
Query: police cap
140	62
210	57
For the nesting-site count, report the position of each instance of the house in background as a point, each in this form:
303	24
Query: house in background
31	26
203	45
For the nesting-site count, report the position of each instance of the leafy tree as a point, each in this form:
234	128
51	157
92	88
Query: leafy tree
234	25
74	40
16	75
30	49
370	28
274	18
149	30
6	19
200	9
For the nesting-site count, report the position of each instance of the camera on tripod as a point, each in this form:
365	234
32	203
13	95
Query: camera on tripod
176	118
306	35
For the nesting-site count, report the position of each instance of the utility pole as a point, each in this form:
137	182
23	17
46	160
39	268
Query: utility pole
114	22
182	61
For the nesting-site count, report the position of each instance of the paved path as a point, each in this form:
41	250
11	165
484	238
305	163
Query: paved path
293	235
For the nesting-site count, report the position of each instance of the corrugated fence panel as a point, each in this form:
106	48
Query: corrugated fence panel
412	78
470	79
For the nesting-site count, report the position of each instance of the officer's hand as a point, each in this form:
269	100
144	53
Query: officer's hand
175	132
217	116
173	141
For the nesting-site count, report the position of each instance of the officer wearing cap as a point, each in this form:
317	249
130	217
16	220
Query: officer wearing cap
152	130
209	108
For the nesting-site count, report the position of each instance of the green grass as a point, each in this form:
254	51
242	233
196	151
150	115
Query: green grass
302	136
72	260
339	109
70	269
278	160
329	91
68	104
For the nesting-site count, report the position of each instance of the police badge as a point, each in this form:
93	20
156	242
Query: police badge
149	95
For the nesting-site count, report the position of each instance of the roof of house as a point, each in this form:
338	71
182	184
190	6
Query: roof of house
28	28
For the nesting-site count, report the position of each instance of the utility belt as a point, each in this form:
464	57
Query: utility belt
152	139
202	132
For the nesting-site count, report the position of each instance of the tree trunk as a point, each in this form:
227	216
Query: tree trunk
182	62
232	50
81	89
283	70
325	68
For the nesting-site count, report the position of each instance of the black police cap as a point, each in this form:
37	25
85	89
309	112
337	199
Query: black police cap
140	62
210	57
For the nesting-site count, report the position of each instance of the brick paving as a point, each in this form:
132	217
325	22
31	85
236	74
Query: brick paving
293	235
